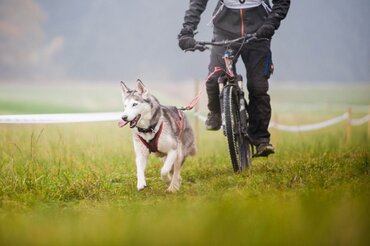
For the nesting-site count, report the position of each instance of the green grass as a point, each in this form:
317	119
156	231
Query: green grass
57	188
76	184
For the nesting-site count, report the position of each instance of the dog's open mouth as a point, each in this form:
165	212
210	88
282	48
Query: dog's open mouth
133	122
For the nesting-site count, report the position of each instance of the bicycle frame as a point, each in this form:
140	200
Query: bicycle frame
233	79
229	63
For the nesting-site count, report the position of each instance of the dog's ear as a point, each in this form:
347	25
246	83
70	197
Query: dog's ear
141	88
125	89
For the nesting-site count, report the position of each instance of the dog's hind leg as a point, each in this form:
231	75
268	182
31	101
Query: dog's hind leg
167	166
176	178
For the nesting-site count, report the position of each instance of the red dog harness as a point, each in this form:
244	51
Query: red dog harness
152	144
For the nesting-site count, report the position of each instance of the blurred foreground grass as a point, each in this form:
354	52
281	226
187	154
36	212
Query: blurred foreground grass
76	183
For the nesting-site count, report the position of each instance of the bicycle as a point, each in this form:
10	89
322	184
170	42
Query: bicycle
234	106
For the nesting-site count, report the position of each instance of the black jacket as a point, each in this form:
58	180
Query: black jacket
235	22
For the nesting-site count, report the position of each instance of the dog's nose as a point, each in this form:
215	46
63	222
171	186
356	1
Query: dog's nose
124	117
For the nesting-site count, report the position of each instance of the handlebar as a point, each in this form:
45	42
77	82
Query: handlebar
203	45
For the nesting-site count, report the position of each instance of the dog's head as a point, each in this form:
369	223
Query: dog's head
135	103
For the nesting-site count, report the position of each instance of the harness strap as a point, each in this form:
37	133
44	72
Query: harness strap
152	144
196	99
147	130
180	124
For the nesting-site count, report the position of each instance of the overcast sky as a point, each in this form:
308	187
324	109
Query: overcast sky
124	40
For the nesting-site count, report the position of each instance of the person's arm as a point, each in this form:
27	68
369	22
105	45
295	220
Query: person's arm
279	11
191	21
192	15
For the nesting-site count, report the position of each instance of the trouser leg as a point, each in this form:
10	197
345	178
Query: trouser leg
213	92
257	58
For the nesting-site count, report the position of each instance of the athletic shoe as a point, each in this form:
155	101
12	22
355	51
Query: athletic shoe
213	122
264	150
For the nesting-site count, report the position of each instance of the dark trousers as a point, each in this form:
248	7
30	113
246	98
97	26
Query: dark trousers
256	57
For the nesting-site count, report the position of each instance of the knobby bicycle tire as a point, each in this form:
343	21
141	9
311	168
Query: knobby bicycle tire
236	141
248	154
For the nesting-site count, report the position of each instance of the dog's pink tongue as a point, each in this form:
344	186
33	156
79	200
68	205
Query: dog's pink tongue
122	123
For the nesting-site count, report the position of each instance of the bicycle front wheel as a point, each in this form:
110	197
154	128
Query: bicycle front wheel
237	143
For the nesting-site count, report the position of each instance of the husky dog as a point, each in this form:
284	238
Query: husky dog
162	130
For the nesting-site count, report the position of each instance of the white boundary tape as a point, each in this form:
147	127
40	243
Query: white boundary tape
113	116
309	127
201	117
59	118
358	122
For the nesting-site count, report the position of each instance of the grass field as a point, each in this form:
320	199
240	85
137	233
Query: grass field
75	183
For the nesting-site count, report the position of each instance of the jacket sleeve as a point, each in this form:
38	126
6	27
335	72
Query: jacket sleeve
192	15
279	11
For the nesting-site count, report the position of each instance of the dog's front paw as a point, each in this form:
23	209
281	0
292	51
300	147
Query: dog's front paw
141	186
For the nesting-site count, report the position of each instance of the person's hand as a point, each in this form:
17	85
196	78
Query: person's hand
187	42
265	31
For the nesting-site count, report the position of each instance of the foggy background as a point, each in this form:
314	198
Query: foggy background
112	40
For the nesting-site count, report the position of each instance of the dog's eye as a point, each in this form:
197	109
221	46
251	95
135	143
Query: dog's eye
134	104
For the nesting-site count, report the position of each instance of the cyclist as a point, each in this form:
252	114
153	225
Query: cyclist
232	19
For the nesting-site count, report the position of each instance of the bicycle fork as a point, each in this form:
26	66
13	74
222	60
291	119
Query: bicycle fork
221	84
242	107
243	112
